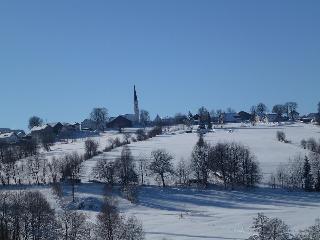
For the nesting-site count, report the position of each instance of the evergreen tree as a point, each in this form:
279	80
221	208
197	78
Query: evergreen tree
307	176
209	121
317	183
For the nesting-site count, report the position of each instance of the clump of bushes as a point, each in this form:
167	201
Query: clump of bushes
91	148
155	131
274	228
141	135
281	136
311	144
114	143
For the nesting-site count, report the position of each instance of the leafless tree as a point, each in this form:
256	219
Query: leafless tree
144	117
127	137
105	171
99	116
161	164
141	135
34	121
91	148
126	168
261	108
234	164
71	169
74	226
279	109
183	172
108	220
112	226
291	109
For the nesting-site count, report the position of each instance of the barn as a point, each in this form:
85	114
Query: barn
119	122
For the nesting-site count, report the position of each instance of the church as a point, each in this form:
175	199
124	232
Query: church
127	120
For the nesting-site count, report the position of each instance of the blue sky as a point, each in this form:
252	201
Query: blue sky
59	59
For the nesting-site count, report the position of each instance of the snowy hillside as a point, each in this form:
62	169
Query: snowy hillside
187	212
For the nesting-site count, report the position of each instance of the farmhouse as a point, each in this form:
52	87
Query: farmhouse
88	124
9	138
38	132
119	122
232	117
56	127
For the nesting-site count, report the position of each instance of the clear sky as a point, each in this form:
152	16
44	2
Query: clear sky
59	59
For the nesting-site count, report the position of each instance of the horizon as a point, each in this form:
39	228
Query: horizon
61	59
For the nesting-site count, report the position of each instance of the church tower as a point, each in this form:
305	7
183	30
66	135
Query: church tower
136	106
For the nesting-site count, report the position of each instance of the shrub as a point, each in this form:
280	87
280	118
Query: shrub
91	148
141	135
281	136
155	131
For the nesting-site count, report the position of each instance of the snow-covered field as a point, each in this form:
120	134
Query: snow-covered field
190	213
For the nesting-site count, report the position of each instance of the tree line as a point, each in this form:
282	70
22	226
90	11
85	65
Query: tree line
27	215
230	164
266	228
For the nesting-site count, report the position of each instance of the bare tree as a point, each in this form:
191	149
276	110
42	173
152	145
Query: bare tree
234	164
127	137
34	121
112	226
143	163
99	116
281	136
203	115
91	148
71	169
291	109
141	135
144	117
253	118
261	108
279	109
183	172
125	167
161	164
74	226
108	221
105	171
270	228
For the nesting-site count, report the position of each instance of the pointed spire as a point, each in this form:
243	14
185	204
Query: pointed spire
135	93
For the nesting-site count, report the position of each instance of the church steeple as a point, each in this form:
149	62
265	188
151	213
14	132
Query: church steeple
135	93
136	105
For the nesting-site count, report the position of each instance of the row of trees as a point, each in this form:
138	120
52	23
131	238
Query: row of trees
229	163
299	173
28	216
276	229
99	116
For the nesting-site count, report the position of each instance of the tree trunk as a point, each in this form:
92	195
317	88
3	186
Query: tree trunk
162	178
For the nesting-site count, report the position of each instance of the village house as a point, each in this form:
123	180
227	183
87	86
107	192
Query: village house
9	138
119	122
56	127
40	131
88	125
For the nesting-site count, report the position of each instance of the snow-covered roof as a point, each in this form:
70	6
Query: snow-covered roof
7	135
39	128
54	124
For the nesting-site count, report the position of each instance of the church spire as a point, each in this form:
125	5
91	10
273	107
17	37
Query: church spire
136	105
135	93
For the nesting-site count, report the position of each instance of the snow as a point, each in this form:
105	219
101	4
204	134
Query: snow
191	213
